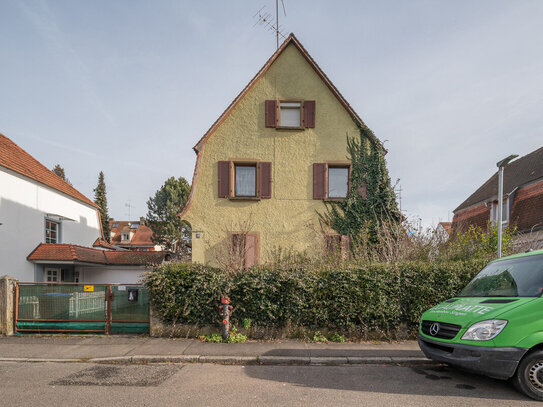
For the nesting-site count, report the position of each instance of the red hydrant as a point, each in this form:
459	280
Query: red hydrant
226	311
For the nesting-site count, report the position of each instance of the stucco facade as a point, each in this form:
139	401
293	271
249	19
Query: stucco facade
288	220
25	204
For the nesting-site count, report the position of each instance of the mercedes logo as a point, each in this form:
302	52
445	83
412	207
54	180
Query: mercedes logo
434	328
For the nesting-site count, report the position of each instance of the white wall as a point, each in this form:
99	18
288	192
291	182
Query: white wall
24	204
112	274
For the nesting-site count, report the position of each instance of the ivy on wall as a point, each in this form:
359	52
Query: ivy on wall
371	200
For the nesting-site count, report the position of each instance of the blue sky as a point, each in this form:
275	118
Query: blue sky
128	87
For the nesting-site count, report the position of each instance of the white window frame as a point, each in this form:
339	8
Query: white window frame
51	275
505	214
57	231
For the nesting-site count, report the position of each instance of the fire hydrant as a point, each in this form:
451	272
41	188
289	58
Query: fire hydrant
226	311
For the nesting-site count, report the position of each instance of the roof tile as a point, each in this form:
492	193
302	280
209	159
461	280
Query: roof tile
16	159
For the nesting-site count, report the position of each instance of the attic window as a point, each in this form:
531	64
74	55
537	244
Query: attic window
290	114
134	225
125	236
115	224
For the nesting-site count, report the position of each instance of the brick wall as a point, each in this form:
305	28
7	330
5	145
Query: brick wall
477	215
527	210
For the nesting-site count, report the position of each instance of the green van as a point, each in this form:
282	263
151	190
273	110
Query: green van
494	326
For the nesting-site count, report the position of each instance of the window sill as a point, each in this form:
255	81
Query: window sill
287	128
244	198
334	199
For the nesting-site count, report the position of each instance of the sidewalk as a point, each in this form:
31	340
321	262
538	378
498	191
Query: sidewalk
131	349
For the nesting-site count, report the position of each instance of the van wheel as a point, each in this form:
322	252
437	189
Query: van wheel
529	376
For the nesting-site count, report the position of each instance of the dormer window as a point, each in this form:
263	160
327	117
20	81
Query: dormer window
505	212
125	237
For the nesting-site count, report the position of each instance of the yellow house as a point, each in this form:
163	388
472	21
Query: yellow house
267	165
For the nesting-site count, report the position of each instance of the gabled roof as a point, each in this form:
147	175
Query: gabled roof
519	172
18	160
291	40
103	243
142	234
74	253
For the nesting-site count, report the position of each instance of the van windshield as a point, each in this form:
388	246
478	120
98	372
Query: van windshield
521	277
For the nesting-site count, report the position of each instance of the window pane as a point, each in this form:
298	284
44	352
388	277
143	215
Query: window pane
290	114
338	179
245	181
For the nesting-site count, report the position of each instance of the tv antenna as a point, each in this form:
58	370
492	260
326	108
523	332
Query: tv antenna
265	19
129	206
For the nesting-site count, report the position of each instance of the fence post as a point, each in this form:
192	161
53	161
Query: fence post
7	304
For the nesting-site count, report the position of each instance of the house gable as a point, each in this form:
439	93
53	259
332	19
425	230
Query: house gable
287	214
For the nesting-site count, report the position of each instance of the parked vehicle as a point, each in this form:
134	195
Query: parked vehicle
494	326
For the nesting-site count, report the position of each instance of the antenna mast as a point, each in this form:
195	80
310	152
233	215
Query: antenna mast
265	19
129	206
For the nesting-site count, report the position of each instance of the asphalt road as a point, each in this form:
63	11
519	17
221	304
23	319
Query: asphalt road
83	384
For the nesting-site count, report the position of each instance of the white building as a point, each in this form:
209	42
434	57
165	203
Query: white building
44	216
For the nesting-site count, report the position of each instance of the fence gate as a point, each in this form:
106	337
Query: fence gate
73	307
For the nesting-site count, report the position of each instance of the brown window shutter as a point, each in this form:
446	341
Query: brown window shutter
251	250
271	113
345	246
224	179
362	190
309	113
319	181
265	180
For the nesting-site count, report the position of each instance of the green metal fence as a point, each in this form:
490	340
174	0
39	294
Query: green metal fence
79	308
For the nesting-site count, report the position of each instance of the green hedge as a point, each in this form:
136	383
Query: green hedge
372	297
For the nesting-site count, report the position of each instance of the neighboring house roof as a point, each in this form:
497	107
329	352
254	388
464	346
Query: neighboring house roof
75	253
519	172
142	234
18	160
103	243
446	226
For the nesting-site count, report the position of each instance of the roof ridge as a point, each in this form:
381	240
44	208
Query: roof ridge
74	192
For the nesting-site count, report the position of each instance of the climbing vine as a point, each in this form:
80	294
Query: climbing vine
371	201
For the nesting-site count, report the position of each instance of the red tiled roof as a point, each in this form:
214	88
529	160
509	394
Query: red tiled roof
75	253
16	159
142	235
446	226
103	243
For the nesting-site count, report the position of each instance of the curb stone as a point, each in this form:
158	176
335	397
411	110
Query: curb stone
235	360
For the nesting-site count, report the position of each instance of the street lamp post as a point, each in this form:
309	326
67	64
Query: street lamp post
501	165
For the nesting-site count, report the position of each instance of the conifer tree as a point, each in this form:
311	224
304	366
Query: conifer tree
100	199
163	216
371	200
60	172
